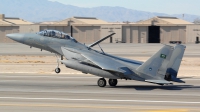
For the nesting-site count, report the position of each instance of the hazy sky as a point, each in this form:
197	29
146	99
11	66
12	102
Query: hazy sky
163	6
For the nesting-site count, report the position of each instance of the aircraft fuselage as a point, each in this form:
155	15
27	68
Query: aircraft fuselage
158	69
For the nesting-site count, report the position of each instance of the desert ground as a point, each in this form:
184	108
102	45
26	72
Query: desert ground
190	66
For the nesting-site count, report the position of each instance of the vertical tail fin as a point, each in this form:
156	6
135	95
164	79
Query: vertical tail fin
174	63
152	65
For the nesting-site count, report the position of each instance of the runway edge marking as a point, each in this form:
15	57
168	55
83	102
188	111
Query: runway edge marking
102	100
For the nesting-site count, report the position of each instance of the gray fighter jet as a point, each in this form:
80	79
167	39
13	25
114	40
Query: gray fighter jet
162	68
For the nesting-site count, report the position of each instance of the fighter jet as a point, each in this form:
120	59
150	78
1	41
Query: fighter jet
161	68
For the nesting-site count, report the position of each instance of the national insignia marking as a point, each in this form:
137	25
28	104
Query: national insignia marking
163	56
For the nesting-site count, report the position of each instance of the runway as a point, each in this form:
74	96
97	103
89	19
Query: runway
79	92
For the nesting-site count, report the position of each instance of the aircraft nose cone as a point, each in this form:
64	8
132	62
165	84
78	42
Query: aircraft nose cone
16	37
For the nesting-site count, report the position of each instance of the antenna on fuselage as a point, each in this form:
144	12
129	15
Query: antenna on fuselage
99	41
101	49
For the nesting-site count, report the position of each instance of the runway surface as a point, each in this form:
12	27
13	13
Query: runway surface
79	92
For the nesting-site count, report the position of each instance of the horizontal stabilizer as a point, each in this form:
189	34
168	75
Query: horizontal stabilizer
158	81
174	79
99	41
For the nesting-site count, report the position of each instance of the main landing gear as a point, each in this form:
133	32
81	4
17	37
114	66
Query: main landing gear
102	82
112	82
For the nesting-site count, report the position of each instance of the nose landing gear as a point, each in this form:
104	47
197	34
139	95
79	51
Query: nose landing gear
58	70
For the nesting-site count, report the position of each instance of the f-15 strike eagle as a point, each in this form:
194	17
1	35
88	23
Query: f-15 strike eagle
162	68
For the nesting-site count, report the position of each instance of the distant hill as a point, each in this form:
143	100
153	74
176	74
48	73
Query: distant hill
44	10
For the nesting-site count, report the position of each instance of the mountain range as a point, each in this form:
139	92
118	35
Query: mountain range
45	10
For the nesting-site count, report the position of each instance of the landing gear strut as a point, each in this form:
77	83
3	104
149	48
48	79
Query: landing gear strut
112	82
57	70
101	82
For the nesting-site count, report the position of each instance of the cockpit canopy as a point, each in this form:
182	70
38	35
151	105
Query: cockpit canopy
55	34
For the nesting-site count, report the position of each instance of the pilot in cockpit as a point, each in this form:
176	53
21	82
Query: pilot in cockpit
56	34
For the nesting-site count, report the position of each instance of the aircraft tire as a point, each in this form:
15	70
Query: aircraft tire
57	70
112	82
101	82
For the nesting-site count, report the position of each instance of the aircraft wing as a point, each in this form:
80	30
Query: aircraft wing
104	62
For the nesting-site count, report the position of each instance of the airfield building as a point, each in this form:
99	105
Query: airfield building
87	29
158	30
10	25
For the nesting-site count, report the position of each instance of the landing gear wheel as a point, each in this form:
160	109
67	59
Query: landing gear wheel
101	82
112	82
57	70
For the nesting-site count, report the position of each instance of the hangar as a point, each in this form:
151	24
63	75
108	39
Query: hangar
89	29
157	30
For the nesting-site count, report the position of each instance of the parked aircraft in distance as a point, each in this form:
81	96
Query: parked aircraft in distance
162	68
